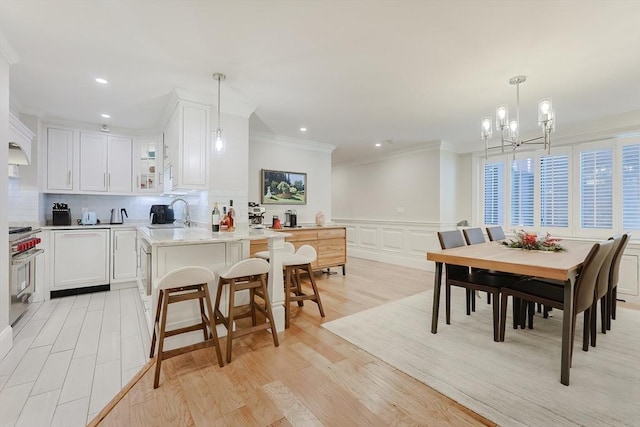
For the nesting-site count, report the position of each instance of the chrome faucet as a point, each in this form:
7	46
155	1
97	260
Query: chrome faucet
187	219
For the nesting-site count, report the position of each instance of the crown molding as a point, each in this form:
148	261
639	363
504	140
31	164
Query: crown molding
231	103
7	50
427	146
290	142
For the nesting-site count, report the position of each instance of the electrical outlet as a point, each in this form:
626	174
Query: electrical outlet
399	210
85	210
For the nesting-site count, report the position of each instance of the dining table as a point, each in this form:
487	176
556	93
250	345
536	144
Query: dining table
562	266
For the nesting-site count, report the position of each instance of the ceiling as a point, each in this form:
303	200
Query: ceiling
353	72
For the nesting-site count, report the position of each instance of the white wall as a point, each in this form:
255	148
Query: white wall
401	187
268	151
464	187
394	206
6	338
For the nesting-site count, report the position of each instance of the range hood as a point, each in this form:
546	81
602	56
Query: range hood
20	138
16	155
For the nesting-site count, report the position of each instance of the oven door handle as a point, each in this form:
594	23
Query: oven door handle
24	259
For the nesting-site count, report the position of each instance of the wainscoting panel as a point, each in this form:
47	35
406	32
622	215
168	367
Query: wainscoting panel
352	233
392	239
368	237
394	242
420	241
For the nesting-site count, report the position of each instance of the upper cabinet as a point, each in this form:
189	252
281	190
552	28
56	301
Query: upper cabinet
59	159
186	147
147	164
105	163
88	162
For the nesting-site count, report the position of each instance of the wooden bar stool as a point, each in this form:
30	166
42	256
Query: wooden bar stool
179	285
293	264
246	274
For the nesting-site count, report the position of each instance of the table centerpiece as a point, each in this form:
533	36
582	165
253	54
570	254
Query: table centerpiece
531	242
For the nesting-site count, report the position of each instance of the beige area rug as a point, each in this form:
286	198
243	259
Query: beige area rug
515	382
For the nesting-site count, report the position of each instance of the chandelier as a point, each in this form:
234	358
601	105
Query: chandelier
546	120
219	144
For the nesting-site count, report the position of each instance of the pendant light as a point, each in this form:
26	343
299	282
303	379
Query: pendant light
546	120
219	143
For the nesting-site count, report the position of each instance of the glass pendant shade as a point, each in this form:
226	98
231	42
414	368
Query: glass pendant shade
219	142
486	128
502	116
513	129
545	111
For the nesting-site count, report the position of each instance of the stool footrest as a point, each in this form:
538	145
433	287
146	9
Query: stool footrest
186	349
194	327
245	331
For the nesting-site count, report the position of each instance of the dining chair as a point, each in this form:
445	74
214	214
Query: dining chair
614	275
495	233
553	295
457	275
602	288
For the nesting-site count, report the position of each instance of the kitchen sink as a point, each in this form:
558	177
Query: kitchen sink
155	226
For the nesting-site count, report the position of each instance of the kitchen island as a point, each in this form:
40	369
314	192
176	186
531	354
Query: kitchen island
161	250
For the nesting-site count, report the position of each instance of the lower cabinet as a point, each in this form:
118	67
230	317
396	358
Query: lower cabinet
80	258
329	242
123	261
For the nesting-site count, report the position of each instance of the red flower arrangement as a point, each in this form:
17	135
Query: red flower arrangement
531	242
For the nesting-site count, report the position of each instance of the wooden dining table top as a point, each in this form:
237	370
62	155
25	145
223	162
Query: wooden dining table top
496	256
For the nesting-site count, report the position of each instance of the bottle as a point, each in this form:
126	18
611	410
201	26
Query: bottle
224	222
231	213
215	218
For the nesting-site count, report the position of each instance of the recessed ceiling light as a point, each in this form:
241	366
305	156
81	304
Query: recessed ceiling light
101	81
303	129
106	116
378	144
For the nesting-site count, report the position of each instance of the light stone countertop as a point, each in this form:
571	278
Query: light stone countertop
197	235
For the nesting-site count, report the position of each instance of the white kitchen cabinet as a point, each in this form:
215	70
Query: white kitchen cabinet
123	259
59	159
80	258
187	146
105	163
147	158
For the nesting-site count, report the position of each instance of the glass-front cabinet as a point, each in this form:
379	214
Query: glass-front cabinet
147	160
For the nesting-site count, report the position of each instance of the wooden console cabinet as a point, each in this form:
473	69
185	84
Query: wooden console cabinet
330	242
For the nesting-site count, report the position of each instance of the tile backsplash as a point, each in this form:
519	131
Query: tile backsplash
28	206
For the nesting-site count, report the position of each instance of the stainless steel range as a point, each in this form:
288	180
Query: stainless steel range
23	250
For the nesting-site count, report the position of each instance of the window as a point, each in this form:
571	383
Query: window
596	189
554	191
493	193
521	194
631	187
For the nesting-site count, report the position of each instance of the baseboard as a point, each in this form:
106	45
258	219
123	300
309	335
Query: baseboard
6	341
390	258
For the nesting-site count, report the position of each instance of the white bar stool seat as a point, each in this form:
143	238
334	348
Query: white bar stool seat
246	274
179	285
288	248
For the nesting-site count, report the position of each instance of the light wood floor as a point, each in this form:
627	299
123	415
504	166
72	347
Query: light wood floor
313	378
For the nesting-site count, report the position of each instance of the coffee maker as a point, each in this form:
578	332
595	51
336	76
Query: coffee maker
256	215
291	218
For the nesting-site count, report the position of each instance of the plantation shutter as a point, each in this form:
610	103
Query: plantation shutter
522	189
493	193
554	191
631	187
596	189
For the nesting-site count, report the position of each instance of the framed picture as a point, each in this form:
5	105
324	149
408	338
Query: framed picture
283	188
